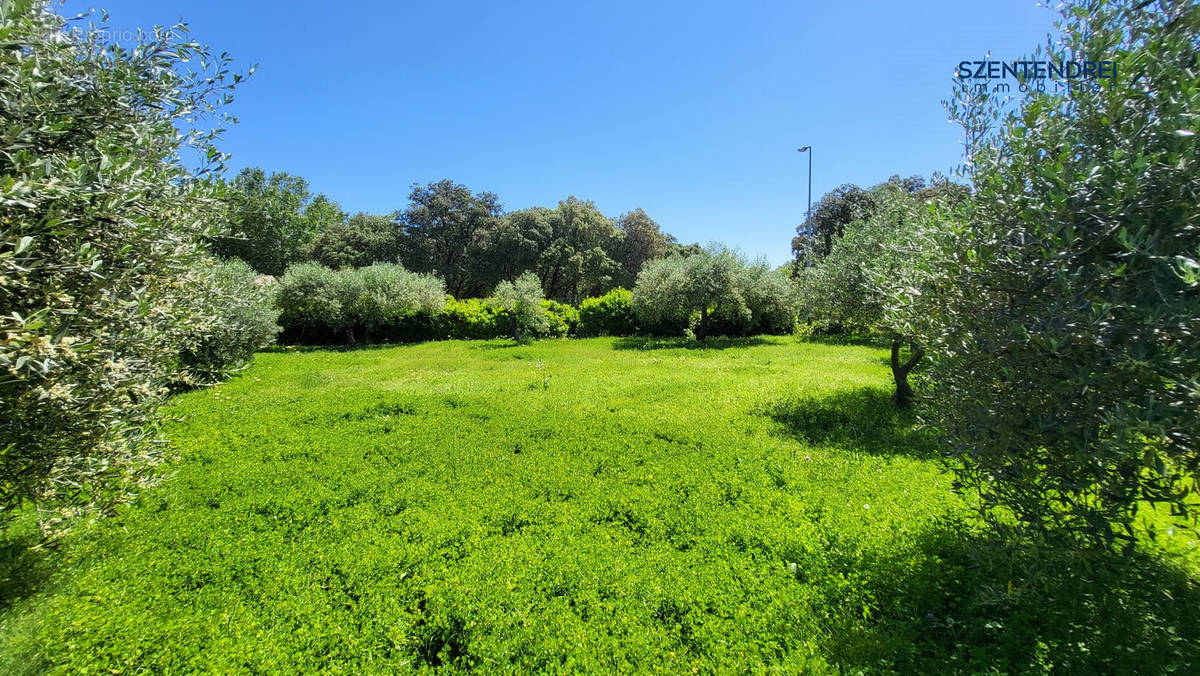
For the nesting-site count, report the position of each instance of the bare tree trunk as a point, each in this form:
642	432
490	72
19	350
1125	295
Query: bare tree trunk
702	330
904	393
512	324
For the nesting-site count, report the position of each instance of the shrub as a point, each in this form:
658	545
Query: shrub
388	302
713	292
379	302
309	303
562	320
690	290
471	318
608	315
236	316
522	303
772	298
101	228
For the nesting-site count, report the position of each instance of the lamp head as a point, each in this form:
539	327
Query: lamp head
803	149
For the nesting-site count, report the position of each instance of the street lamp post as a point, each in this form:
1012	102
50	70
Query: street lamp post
808	149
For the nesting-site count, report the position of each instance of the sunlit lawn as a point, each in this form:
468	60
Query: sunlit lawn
604	505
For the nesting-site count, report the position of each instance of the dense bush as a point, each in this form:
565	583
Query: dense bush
101	231
716	291
523	305
471	318
360	241
386	301
1061	321
771	297
608	315
310	309
234	314
562	320
379	302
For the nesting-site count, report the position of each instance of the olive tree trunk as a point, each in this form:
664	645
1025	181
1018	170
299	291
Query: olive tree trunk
903	395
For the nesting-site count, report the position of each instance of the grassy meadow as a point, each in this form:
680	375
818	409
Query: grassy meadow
613	505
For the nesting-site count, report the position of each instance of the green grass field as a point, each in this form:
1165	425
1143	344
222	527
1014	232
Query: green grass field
600	505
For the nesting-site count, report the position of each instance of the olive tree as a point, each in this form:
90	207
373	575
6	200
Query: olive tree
521	300
1060	315
102	236
714	286
853	287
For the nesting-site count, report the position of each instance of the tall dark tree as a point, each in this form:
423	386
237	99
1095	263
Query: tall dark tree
577	263
515	244
445	230
641	240
270	225
362	240
833	212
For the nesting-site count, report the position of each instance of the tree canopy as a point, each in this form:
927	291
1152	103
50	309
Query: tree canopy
444	231
273	220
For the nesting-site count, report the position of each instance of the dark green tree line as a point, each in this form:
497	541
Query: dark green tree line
464	237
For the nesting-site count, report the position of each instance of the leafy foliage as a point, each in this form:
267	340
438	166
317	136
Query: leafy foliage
849	288
101	244
274	220
447	230
380	298
772	299
641	241
521	300
516	243
578	261
310	308
848	204
715	290
360	241
471	318
857	285
1063	335
444	232
379	302
562	320
829	218
234	316
608	315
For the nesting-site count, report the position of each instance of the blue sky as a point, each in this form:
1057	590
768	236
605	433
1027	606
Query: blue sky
691	110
